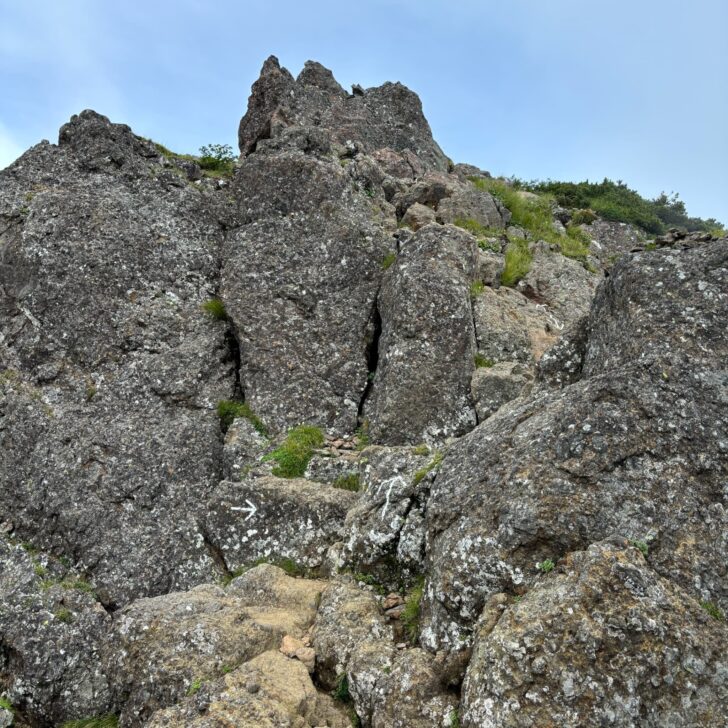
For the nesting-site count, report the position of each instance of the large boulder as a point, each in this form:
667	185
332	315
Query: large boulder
637	447
386	117
421	391
111	370
601	641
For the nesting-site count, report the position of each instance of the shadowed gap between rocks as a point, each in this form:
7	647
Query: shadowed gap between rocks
372	356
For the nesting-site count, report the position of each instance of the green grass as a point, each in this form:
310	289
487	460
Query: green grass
293	454
517	263
216	308
194	687
454	719
388	260
476	289
100	721
713	610
482	362
474	227
228	410
5	704
411	614
350	482
64	615
583	217
217	158
362	436
341	690
421	450
576	243
434	463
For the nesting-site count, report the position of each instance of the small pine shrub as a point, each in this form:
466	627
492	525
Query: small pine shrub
517	263
216	308
350	482
293	454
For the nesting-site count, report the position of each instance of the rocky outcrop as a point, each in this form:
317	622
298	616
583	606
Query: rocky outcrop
421	392
642	431
630	649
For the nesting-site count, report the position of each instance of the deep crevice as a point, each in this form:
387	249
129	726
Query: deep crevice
215	552
371	354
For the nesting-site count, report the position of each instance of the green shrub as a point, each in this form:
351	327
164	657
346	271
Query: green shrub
576	242
713	610
216	308
5	704
217	158
483	362
228	410
101	721
641	546
583	217
293	454
350	482
517	262
546	565
411	614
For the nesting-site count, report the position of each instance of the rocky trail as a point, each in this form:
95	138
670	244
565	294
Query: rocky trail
336	438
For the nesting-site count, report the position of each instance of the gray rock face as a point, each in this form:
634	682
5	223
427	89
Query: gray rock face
421	392
268	517
111	369
493	386
389	116
52	631
646	655
643	430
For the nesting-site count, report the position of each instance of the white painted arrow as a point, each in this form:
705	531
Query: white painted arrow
250	510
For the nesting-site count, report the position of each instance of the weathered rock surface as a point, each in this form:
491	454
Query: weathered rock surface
269	691
493	386
601	641
276	518
421	392
110	366
636	447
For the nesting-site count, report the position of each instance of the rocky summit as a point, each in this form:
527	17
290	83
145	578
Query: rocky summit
338	432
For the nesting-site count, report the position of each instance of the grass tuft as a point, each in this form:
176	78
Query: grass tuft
713	610
293	454
350	482
100	721
411	614
483	362
388	260
434	463
228	410
216	308
476	289
517	263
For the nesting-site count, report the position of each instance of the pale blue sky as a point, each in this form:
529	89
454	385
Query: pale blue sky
634	90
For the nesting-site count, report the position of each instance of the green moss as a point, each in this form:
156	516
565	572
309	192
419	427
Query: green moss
351	482
434	463
63	614
100	721
228	410
216	308
713	610
388	260
483	362
293	454
517	262
411	614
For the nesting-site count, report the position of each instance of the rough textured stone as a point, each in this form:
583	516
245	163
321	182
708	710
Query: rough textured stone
561	283
635	447
509	327
388	116
52	631
269	691
493	386
347	616
418	216
111	369
275	518
162	647
422	387
602	641
610	240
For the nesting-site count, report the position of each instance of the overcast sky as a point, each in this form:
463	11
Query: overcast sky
634	90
